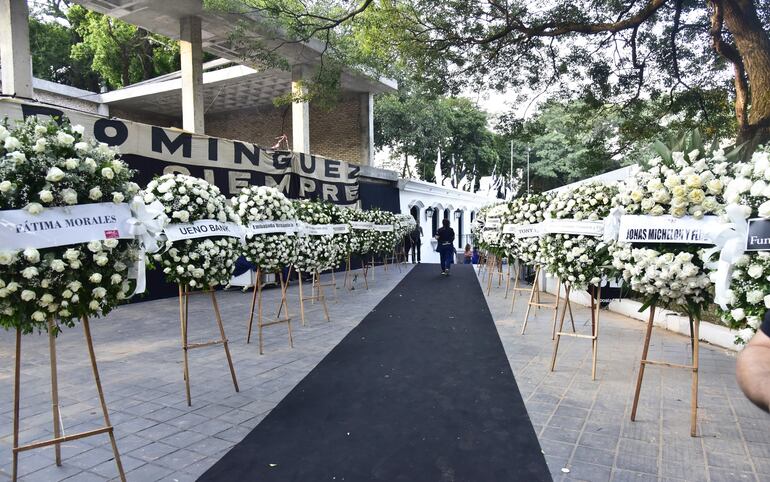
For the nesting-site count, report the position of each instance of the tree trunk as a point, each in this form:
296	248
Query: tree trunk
753	44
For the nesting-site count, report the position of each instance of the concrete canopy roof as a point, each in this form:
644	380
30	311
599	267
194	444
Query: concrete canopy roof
226	88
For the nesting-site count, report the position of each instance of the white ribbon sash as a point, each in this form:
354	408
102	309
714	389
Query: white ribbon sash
341	228
62	226
573	226
361	225
730	241
269	227
666	229
202	228
510	228
315	229
492	224
528	230
383	228
146	225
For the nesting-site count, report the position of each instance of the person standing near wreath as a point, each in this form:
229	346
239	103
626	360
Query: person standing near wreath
415	240
446	249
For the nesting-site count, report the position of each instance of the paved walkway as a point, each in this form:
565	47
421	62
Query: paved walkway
140	361
584	426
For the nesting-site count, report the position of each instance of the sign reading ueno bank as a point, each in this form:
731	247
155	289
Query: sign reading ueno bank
231	165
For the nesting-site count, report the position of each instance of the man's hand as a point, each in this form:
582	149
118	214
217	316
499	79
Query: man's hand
753	370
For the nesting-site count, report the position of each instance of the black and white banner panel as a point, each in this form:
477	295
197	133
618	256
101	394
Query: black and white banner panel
666	229
758	237
231	165
62	226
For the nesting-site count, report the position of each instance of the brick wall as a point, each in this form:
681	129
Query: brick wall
335	134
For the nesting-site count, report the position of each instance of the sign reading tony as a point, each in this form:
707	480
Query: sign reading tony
231	165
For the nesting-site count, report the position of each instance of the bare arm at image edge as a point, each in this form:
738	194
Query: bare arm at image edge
753	367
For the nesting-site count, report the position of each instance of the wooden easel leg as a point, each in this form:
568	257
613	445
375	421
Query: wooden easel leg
489	276
347	274
508	279
322	298
571	318
16	394
645	350
224	338
105	413
284	302
314	287
557	338
373	266
516	273
366	273
531	298
183	295
695	336
334	285
251	311
564	311
54	389
301	299
556	308
595	330
259	309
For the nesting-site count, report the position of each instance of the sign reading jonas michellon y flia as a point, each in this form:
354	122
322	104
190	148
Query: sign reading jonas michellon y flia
231	165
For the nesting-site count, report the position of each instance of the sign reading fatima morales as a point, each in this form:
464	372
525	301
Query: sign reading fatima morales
665	229
231	165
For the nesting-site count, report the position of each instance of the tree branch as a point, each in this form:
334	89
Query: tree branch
730	53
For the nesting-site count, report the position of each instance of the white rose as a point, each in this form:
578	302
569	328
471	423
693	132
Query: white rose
110	243
93	305
738	314
94	246
99	292
95	278
28	295
29	272
34	208
54	174
69	196
58	265
755	271
71	163
64	139
32	255
118	197
95	194
11	143
108	173
81	146
38	316
46	196
5	186
7	257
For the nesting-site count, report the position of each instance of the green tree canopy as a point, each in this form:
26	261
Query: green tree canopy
603	52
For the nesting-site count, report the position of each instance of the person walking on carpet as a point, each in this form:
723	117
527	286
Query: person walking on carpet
446	237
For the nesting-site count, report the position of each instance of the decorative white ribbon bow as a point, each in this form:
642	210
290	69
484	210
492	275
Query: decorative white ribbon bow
730	242
612	224
147	226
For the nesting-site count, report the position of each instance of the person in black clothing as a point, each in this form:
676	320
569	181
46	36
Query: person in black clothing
446	249
415	240
753	367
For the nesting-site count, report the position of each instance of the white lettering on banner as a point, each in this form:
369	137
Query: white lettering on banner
315	229
267	227
383	228
203	228
63	226
341	228
573	226
528	230
665	229
509	228
361	225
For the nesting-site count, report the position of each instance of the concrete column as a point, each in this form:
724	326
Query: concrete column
14	48
366	121
300	112
191	56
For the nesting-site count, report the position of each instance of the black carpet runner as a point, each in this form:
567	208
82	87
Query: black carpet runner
420	391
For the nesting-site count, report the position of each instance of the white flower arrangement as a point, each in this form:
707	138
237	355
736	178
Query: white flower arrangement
361	240
43	165
199	262
678	184
526	209
314	252
748	298
342	241
270	252
385	241
578	260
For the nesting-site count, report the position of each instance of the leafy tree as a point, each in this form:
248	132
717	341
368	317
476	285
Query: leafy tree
414	126
616	52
